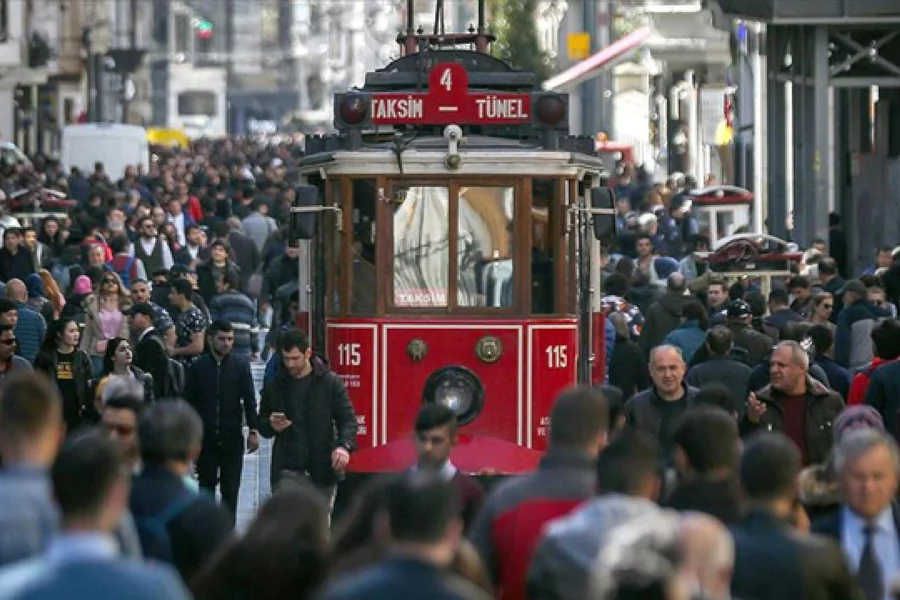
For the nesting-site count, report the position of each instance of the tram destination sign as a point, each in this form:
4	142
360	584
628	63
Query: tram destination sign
449	101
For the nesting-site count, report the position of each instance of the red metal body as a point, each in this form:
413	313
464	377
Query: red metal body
385	383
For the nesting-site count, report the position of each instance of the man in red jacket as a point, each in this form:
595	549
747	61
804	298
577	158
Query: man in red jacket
510	524
886	340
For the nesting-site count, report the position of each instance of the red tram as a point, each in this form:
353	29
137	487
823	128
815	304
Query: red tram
450	241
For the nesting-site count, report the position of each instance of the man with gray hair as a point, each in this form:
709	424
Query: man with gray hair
657	409
175	524
709	555
664	315
795	404
867	524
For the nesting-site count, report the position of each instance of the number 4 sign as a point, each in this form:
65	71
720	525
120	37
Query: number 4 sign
449	83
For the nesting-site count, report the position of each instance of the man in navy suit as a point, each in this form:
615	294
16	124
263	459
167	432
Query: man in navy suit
867	524
91	487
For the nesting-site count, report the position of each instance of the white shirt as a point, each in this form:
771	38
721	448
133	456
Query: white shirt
178	222
887	543
447	472
149	245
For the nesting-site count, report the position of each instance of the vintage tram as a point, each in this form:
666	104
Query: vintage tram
451	235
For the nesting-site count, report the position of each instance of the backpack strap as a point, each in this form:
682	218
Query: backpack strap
175	508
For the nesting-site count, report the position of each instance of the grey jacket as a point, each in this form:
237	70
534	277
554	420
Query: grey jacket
562	563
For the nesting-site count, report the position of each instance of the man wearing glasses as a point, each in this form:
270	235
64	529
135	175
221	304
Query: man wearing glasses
9	360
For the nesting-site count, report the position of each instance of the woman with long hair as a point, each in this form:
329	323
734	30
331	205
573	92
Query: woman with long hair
69	367
53	293
104	317
282	555
117	365
355	545
52	235
821	311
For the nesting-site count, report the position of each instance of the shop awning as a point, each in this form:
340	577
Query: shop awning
607	58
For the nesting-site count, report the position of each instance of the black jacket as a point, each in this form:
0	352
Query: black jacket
663	317
775	562
823	405
150	356
45	362
322	421
757	345
200	530
18	266
722	370
628	368
223	394
883	394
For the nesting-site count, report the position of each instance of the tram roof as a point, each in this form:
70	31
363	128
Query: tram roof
481	155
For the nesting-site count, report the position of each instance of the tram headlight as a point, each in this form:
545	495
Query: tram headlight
352	110
457	388
550	111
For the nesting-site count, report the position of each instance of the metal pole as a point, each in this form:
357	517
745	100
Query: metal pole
759	181
590	89
789	151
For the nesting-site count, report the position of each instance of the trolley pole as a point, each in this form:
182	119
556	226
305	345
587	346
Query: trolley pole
590	89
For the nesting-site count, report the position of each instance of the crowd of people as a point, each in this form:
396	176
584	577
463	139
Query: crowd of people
743	445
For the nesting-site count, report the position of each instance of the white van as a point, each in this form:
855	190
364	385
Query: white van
114	144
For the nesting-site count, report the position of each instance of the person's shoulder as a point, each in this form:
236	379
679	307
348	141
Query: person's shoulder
16	579
148	579
20	363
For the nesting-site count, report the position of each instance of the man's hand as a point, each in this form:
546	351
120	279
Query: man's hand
252	442
279	422
340	458
755	408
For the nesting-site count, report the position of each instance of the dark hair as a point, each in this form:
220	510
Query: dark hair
219	325
769	467
125	402
118	244
828	266
886	338
222	229
170	430
822	338
29	404
625	266
431	416
716	280
110	354
354	532
779	297
7	305
87	467
616	284
293	339
643	236
578	417
182	287
615	402
757	303
694	311
709	439
54	331
799	282
719	340
716	395
283	553
871	280
794	331
627	463
421	506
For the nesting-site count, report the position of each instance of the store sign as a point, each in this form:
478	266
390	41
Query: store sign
449	101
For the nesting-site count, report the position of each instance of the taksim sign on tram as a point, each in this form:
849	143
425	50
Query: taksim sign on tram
449	101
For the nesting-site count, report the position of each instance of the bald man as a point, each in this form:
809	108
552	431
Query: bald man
31	326
708	554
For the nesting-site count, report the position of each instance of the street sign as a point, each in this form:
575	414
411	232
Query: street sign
449	101
579	45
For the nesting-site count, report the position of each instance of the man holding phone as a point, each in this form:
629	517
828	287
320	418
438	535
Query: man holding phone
302	406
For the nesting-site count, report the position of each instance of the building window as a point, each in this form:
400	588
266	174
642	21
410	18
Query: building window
197	103
183	32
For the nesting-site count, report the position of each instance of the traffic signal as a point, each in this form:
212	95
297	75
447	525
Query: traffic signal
203	28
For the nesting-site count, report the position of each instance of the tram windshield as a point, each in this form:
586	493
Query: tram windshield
483	236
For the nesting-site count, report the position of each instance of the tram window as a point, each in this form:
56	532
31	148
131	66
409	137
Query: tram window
725	223
543	197
421	246
362	249
484	246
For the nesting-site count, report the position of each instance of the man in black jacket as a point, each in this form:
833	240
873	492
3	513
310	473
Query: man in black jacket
220	387
302	407
772	559
149	349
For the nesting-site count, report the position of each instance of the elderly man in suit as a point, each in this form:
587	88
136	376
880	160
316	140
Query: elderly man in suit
867	524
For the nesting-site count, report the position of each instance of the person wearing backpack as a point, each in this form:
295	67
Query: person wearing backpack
150	353
125	265
175	524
